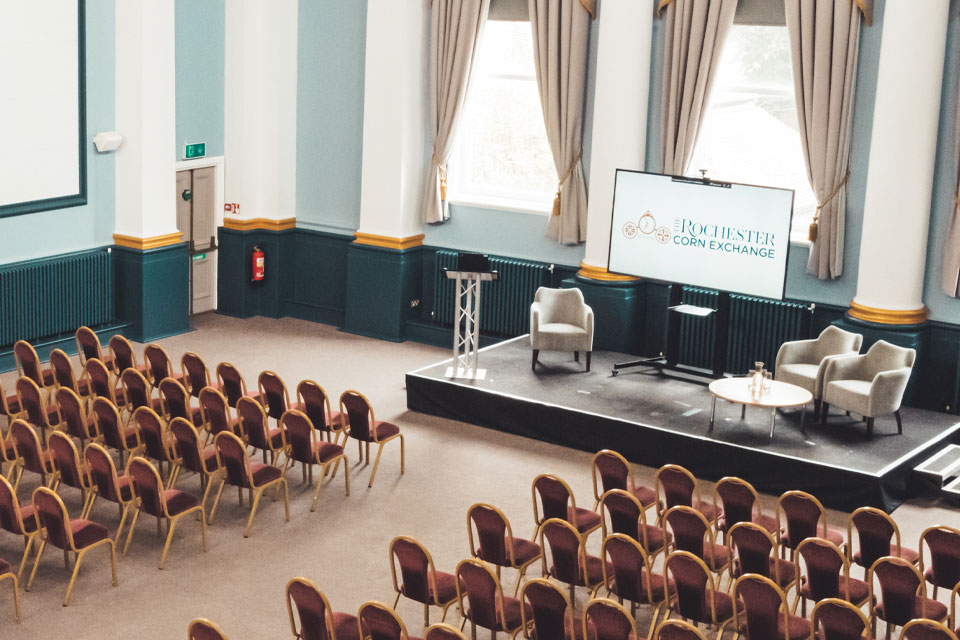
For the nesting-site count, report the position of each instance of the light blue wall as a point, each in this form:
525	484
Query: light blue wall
943	307
36	235
200	54
331	40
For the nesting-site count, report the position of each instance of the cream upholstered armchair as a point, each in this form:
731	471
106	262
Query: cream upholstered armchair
803	362
560	321
869	385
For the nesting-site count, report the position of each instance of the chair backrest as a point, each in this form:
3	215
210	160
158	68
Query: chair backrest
28	362
877	534
72	413
315	403
274	394
109	424
550	606
11	518
136	389
492	528
677	485
151	432
195	373
232	454
188	444
312	608
216	411
479	584
607	620
31	401
690	580
834	341
299	434
738	499
753	546
631	568
203	629
825	563
231	382
416	568
555	497
103	471
762	602
123	355
5	406
176	400
921	629
676	630
27	443
837	619
99	377
148	486
380	622
442	632
158	363
359	413
884	356
624	511
900	585
62	369
805	516
566	548
560	305
253	422
52	515
66	459
944	545
689	528
611	469
88	345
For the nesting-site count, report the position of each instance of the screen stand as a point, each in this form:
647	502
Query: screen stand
669	360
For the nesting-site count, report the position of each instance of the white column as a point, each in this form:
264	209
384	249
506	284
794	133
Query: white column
394	118
146	117
260	111
893	244
621	95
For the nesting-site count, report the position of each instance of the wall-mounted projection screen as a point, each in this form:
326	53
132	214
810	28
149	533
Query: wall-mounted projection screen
719	235
42	115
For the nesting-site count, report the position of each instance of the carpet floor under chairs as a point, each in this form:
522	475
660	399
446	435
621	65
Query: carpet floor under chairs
239	583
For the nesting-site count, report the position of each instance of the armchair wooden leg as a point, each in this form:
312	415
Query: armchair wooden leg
869	427
824	410
576	356
533	364
896	414
589	353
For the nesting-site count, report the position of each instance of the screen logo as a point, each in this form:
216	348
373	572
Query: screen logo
646	227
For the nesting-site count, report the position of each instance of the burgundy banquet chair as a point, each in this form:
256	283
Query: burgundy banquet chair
836	619
362	425
492	540
677	487
442	631
801	516
877	536
18	520
110	486
300	440
175	402
379	622
317	620
274	395
419	579
158	443
627	516
612	471
159	365
195	376
737	501
124	439
28	365
552	614
552	498
192	456
691	532
824	572
943	544
216	413
256	429
74	418
486	606
315	402
232	384
628	574
203	629
903	594
692	592
88	347
607	620
123	356
71	470
753	549
64	376
766	615
31	455
569	561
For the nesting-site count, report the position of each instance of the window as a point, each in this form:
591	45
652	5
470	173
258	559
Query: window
750	133
501	156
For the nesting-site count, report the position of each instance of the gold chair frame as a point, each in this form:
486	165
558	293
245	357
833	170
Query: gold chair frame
48	466
440	626
331	632
372	422
370	604
511	552
597	482
28	538
571	504
581	557
15	580
431	580
923	540
774	555
207	623
784	605
872	598
606	603
647	566
501	612
333	435
526	624
642	523
682	624
85	478
845	575
122	505
308	469
712	585
696	500
822	526
814	618
930	624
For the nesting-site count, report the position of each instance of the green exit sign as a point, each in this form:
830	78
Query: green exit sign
195	150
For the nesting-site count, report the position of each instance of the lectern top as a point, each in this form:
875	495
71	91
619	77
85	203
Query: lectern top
471	275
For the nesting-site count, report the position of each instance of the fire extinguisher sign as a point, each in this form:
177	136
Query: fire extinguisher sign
257	263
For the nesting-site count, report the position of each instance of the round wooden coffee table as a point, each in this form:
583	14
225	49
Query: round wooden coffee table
781	395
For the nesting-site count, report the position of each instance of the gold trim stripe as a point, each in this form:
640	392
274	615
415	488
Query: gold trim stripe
388	242
267	224
888	316
147	243
601	273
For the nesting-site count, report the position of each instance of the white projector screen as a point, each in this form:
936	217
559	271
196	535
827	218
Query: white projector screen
718	235
42	155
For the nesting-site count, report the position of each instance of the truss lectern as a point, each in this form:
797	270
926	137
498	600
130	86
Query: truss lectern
472	270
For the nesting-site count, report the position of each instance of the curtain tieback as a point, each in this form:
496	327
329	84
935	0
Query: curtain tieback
563	179
442	171
815	225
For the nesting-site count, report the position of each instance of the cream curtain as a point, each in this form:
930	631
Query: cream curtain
951	254
561	33
455	35
824	42
694	34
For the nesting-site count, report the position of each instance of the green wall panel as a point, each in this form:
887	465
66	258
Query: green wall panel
381	284
315	264
153	290
618	313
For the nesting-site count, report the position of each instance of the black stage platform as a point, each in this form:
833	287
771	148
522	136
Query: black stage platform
654	419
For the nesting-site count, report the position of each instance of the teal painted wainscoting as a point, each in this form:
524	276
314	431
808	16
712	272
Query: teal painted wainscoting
618	313
383	290
237	294
315	263
152	291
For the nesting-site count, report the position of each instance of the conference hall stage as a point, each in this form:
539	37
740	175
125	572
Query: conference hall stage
654	419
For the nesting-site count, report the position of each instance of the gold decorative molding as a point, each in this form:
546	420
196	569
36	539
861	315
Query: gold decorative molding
267	224
147	243
601	273
888	316
388	242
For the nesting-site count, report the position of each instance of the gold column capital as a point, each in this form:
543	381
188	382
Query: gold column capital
144	244
602	274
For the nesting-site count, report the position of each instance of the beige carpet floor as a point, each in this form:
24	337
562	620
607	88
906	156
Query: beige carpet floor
239	583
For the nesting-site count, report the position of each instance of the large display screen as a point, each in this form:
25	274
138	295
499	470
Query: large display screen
718	235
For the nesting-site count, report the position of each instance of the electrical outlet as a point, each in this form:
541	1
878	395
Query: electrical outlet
414	303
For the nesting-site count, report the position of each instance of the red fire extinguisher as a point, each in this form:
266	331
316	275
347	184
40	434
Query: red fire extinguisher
257	263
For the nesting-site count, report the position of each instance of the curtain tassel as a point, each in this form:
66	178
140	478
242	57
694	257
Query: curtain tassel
556	204
442	171
814	229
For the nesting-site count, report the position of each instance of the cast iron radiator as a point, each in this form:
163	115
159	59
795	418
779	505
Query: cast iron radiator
504	303
46	298
758	326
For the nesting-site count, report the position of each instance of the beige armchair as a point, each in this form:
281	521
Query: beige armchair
560	321
869	385
803	362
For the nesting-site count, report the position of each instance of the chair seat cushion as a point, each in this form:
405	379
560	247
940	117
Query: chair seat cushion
909	555
802	375
852	395
4	567
797	628
523	550
583	519
787	573
126	491
722	603
179	501
87	532
83	387
130	436
345	626
210	459
716	556
656	586
29	516
593	570
767	522
386	430
511	612
576	633
326	451
832	535
196	416
934	610
858	590
656	538
13	404
335	419
561	329
446	587
263	473
276	437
